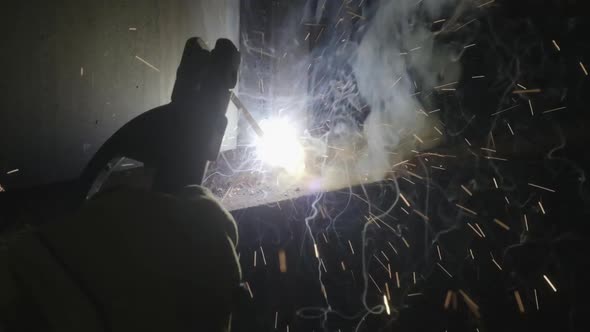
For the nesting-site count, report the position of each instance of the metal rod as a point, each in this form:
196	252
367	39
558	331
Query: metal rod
247	114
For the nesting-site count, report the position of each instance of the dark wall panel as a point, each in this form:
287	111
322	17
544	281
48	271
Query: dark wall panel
72	74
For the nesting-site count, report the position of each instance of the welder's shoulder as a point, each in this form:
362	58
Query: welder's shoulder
204	202
195	205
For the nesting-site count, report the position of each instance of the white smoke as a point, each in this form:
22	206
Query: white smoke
396	65
396	61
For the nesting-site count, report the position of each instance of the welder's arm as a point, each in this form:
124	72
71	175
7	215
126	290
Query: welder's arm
129	260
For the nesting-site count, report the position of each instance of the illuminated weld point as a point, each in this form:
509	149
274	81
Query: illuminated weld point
280	146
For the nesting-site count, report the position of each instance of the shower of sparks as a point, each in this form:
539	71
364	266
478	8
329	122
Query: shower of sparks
247	285
541	187
392	247
501	224
415	175
466	190
375	283
504	110
554	110
510	128
480	230
583	68
486	3
282	261
405	242
473	307
475	230
396	81
541	207
351	248
445	85
386	305
422	215
404	199
466	209
380	262
465	24
519	301
263	256
445	270
495	158
395	206
147	63
525	91
323	288
448	299
550	283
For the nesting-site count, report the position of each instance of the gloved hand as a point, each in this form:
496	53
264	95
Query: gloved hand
179	138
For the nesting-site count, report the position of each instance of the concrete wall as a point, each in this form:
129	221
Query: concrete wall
71	74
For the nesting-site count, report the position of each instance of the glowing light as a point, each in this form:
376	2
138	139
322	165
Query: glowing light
386	305
550	283
280	145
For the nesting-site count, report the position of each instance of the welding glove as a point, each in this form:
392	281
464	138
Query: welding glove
177	139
